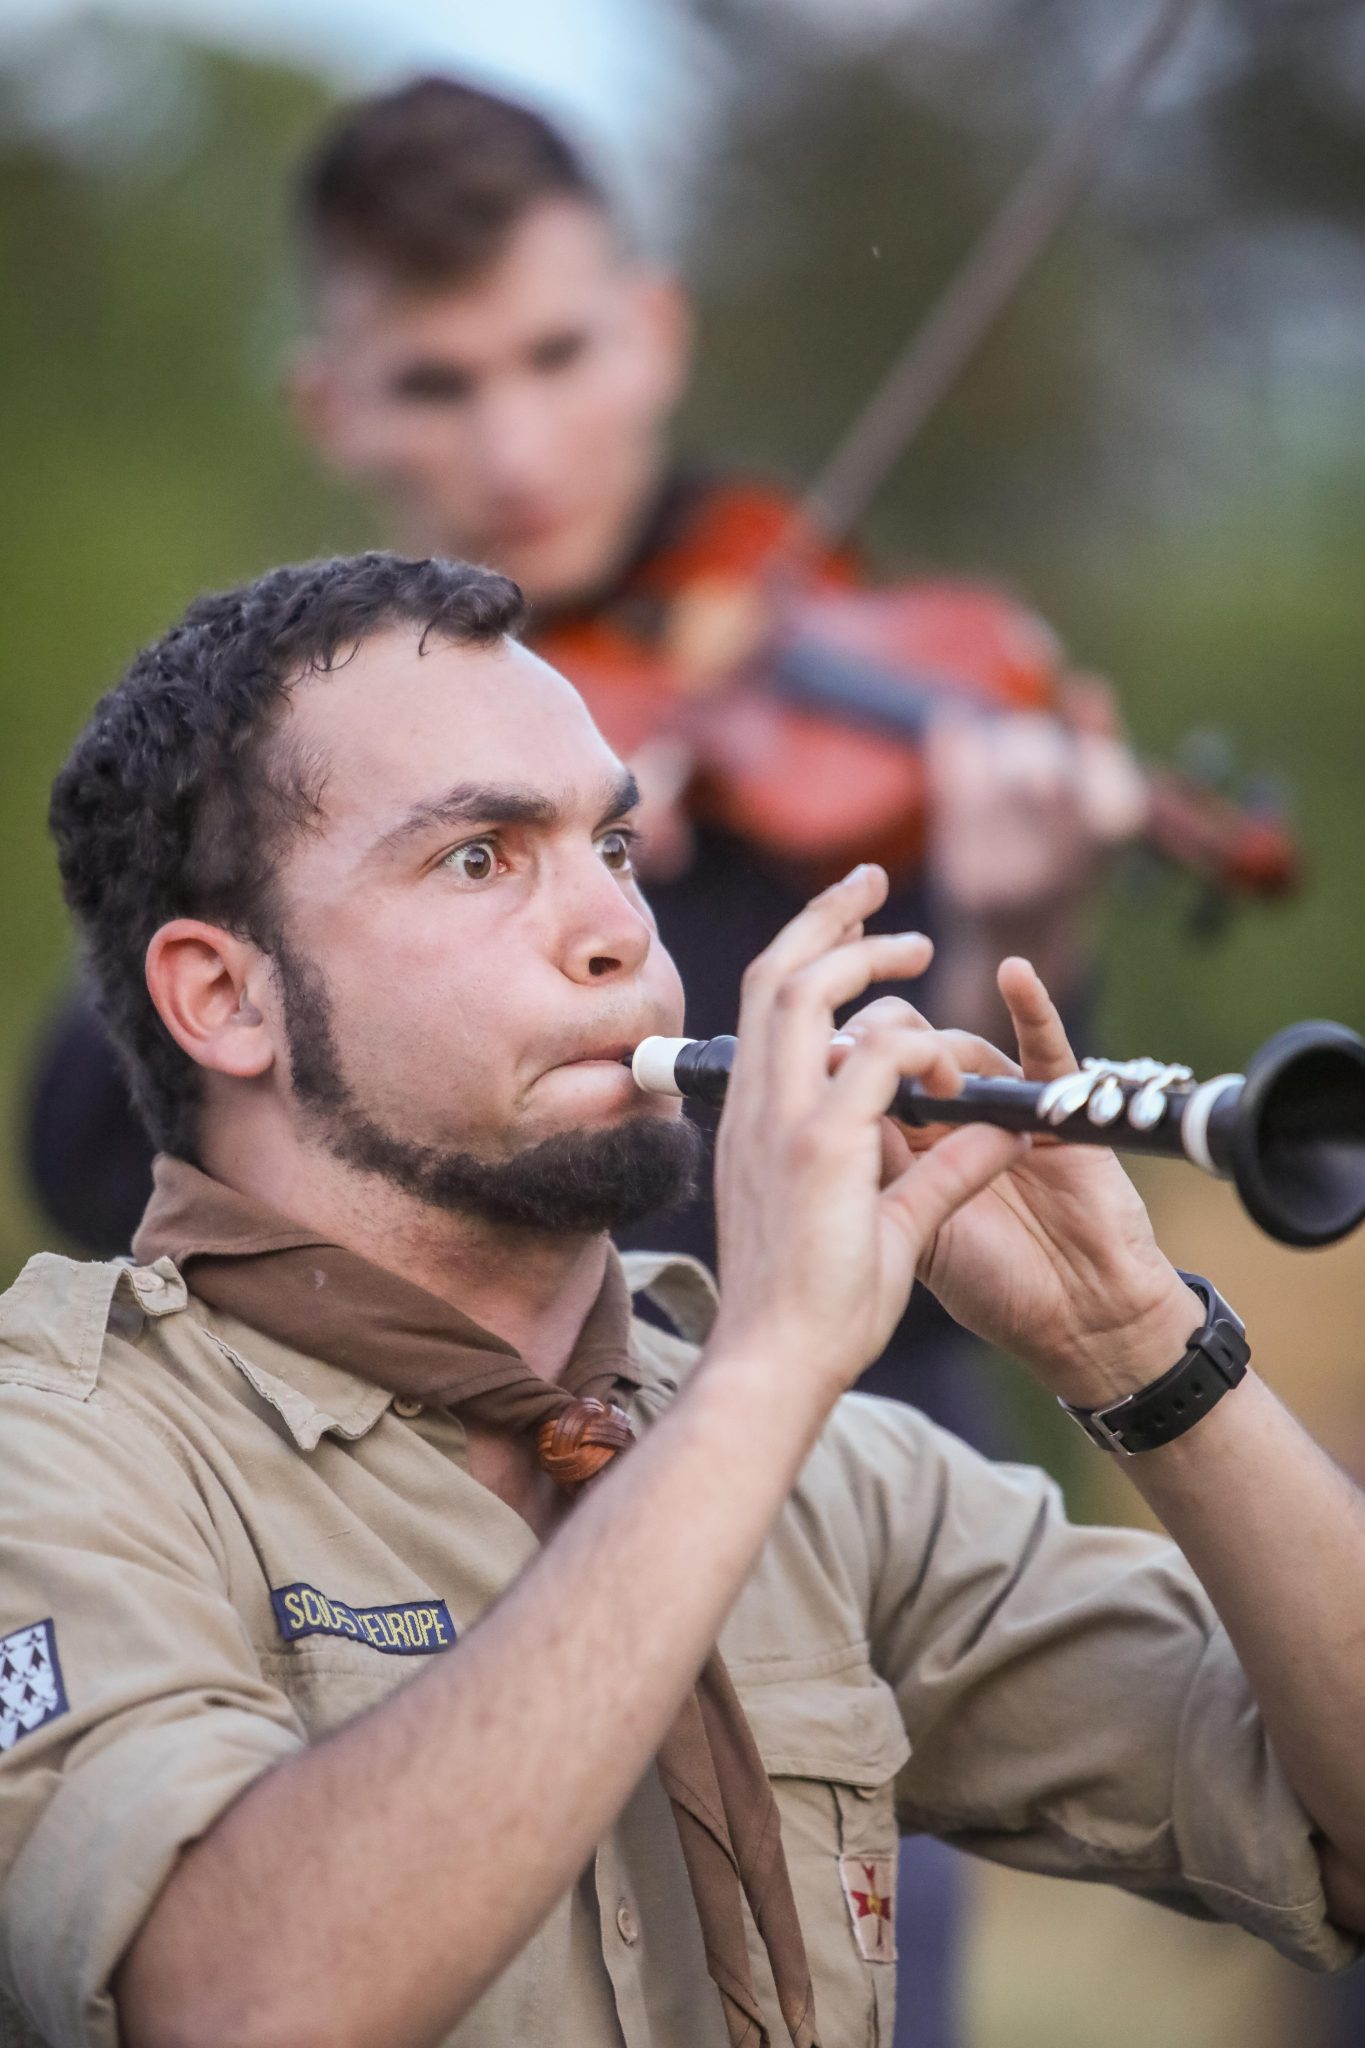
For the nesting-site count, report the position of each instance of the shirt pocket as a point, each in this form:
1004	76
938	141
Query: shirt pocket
832	1747
347	1659
330	1683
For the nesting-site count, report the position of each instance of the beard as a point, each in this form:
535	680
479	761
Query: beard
577	1181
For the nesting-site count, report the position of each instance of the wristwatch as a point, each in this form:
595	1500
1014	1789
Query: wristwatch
1214	1360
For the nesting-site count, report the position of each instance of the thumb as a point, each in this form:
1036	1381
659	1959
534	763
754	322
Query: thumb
942	1180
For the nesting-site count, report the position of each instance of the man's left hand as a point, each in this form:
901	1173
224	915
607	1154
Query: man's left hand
1022	810
1055	1261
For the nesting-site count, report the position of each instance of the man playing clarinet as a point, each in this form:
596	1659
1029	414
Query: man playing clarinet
401	1642
489	354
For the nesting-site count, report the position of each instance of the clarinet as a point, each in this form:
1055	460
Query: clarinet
1289	1132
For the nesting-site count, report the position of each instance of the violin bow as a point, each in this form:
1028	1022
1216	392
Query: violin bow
939	349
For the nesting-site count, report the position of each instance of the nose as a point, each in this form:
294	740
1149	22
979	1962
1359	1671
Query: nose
605	933
513	439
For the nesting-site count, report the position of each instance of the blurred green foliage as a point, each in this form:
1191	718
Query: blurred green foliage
145	311
143	321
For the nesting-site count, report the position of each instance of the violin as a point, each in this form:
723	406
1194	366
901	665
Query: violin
802	706
799	701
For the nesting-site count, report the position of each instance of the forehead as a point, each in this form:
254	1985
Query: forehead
563	260
393	725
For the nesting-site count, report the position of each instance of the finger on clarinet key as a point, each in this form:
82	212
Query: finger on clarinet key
1044	1049
893	1009
884	1057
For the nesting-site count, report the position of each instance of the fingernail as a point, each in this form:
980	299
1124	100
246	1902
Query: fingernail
854	873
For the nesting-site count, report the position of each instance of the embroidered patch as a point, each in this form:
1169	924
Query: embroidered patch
31	1688
410	1628
870	1888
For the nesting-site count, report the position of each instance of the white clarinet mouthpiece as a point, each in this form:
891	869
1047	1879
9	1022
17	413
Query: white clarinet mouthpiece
654	1062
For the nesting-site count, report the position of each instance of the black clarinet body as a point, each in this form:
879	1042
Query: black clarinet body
1289	1132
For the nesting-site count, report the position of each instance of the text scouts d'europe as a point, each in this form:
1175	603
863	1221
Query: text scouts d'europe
377	1586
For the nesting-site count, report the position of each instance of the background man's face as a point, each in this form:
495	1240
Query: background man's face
464	918
517	420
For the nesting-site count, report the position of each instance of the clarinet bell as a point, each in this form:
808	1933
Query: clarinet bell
1296	1142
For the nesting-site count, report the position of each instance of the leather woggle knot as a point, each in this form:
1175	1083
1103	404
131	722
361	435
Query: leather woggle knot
581	1439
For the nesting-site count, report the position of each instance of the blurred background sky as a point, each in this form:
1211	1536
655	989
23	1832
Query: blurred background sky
1162	445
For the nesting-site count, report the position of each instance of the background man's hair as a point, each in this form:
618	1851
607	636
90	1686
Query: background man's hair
427	184
181	793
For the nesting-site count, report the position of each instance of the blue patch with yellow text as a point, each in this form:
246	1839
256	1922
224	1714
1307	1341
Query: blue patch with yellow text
408	1628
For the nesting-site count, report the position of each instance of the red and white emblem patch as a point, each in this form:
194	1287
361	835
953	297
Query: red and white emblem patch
870	1888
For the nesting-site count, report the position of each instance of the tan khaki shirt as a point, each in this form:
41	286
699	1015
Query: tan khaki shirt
214	1549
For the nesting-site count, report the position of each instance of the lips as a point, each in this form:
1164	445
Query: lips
601	1052
527	530
617	1053
613	1048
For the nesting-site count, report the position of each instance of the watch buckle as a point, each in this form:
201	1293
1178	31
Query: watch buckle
1097	1426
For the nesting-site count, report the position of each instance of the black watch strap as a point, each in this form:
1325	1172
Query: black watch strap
1214	1360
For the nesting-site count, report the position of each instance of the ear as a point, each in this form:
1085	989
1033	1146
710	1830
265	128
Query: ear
665	313
203	982
311	396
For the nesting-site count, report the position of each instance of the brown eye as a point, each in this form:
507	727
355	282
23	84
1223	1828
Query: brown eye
474	862
615	849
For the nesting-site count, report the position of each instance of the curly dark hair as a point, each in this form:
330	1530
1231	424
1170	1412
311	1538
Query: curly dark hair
426	184
181	793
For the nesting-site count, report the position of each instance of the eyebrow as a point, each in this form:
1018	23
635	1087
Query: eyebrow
489	803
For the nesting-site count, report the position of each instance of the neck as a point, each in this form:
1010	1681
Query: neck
530	1288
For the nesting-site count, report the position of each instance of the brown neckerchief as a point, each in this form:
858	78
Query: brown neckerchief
297	1287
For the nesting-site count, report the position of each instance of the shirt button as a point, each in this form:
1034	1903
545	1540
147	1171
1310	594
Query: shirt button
405	1407
627	1926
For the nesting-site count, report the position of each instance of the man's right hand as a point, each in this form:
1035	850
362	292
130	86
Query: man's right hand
818	1247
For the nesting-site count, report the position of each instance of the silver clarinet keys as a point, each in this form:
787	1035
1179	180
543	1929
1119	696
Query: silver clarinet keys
1105	1088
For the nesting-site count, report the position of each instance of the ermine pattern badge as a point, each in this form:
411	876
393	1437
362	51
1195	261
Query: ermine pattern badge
31	1689
870	1889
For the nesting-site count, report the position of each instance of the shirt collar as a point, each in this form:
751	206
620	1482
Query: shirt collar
315	1398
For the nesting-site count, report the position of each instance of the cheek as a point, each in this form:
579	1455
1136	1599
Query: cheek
424	1045
416	1009
403	442
401	984
665	986
615	407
